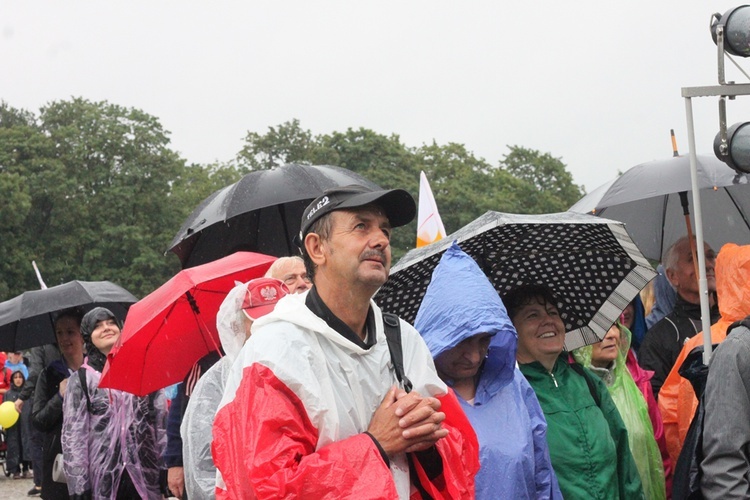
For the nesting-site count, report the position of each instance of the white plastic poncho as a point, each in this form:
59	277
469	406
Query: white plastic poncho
200	471
298	400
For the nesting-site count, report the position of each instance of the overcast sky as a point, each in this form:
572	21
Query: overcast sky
595	84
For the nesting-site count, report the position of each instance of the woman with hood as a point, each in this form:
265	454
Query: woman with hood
17	437
244	304
51	387
473	343
112	441
606	359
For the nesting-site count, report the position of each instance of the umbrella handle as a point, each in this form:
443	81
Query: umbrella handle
693	249
197	311
205	331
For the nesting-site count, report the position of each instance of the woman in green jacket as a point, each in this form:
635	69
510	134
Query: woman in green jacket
587	439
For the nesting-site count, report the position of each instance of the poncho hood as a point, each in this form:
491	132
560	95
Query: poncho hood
732	277
95	358
230	321
460	302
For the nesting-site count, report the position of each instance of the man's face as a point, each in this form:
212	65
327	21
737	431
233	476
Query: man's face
15	357
358	249
294	275
628	315
683	276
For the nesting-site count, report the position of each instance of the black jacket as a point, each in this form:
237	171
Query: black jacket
47	416
663	342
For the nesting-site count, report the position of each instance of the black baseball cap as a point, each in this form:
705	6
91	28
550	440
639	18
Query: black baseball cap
398	205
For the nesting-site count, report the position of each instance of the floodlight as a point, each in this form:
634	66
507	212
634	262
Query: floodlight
734	25
735	149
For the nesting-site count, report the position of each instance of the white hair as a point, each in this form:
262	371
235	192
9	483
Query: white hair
280	263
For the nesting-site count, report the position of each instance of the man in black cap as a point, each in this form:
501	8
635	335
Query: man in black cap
312	408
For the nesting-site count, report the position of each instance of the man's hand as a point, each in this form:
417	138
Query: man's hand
176	481
407	422
421	419
19	405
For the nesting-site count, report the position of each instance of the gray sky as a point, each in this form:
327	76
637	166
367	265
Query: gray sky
595	84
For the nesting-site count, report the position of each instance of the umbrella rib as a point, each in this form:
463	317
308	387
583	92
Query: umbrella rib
663	222
734	202
282	213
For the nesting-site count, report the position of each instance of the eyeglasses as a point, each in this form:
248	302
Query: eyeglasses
290	279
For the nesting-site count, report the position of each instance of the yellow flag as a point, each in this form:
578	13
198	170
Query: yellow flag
429	225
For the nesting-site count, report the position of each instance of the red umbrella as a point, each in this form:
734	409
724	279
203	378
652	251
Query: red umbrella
167	331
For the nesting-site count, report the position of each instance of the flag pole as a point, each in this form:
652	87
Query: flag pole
38	275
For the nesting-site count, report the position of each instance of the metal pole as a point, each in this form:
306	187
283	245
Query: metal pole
697	214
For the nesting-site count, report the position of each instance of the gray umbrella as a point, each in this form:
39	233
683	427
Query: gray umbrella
27	320
646	198
590	263
259	213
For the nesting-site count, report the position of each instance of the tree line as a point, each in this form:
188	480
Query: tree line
93	191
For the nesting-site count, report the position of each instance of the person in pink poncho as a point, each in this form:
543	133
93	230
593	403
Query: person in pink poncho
112	441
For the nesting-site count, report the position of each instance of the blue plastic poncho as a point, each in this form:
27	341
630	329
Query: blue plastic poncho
460	303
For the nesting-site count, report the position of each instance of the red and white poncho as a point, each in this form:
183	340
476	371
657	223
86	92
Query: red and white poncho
298	400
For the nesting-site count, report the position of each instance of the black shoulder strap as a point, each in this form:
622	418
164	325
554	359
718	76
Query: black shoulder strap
85	387
592	388
393	335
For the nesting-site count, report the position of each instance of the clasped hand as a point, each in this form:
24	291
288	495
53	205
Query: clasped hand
407	422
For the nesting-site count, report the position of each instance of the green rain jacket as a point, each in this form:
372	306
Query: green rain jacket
588	444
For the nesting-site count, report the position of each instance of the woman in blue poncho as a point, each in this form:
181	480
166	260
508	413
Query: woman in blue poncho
473	343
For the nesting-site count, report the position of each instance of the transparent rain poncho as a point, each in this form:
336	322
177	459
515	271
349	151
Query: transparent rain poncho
200	471
120	432
634	413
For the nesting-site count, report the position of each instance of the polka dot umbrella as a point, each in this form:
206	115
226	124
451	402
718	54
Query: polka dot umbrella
590	263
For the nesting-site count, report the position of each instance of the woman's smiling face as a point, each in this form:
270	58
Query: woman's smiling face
541	332
69	338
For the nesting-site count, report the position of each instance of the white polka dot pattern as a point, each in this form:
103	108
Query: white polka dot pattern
590	263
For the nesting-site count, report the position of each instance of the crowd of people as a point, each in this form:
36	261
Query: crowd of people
318	393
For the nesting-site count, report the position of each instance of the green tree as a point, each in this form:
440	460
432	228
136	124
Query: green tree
101	195
547	185
23	150
287	143
465	186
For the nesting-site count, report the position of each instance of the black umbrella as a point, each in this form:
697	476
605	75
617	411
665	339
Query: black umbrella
590	263
259	213
28	319
652	199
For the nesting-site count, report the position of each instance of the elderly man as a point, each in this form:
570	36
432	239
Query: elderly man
312	408
290	270
244	304
664	340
